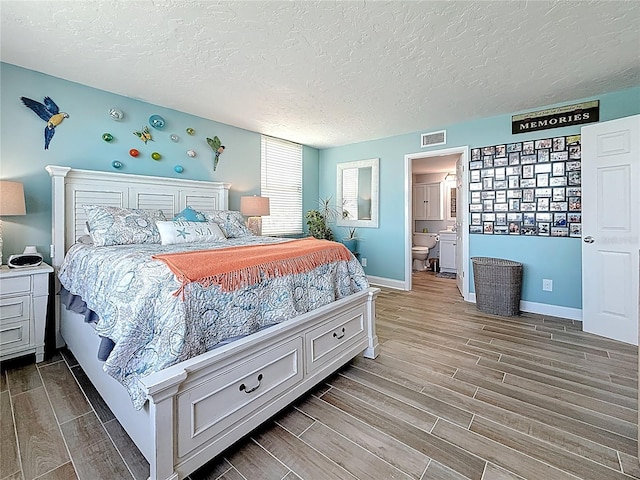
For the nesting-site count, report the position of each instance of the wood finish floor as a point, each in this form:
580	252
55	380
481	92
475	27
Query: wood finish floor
454	394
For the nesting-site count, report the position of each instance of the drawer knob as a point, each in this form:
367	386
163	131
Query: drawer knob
244	388
338	337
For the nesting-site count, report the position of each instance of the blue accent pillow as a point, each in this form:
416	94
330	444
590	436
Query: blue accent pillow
190	215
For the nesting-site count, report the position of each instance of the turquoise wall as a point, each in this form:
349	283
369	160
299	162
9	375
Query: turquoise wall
78	143
558	259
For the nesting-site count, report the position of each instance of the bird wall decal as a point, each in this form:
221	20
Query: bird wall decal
50	113
144	134
218	148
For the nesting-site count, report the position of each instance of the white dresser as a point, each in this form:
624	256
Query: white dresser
447	251
23	310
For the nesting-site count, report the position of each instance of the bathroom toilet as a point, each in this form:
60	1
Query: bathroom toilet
422	242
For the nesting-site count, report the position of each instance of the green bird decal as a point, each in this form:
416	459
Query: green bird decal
218	148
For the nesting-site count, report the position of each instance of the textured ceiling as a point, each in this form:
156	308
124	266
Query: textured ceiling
326	73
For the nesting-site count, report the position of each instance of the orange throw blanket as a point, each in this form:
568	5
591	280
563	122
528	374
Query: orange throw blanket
237	267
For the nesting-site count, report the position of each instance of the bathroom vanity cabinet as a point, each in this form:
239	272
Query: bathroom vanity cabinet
448	252
427	201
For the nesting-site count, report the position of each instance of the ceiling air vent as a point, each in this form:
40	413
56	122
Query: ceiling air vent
433	138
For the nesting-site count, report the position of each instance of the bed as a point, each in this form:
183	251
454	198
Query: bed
195	409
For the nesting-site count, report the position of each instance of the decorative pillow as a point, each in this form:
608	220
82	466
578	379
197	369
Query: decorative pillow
189	214
179	231
122	226
230	222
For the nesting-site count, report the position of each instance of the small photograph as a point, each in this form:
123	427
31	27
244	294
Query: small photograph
475	186
514	181
514	158
514	204
529	230
559	232
500	174
474	175
560	219
528	159
527	171
501	218
501	151
573	166
528	195
514	217
529	219
488	227
514	193
574	178
500	184
575	204
514	228
558	206
475	207
544	217
573	139
500	207
574	192
488	195
487	206
475	197
558	195
543	204
558	144
574	152
500	230
528	148
575	229
475	154
528	207
557	181
514	147
513	171
487	172
543	168
500	162
527	183
476	219
488	150
543	192
543	155
542	179
501	197
488	217
558	169
559	156
544	229
475	228
544	143
475	165
574	217
487	161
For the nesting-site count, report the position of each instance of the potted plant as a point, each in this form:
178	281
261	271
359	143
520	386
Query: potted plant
318	220
351	241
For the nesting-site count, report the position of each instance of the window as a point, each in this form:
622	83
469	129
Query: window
281	181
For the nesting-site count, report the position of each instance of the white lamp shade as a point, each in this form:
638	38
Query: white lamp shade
254	206
11	198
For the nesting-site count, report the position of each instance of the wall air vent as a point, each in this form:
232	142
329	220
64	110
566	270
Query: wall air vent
433	138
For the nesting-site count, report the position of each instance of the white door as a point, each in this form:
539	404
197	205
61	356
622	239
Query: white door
459	225
611	228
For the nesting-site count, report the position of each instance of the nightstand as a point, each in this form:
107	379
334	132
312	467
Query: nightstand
23	310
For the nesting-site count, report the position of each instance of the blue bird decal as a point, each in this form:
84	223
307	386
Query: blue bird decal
50	113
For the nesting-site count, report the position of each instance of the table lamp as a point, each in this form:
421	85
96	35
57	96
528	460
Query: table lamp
11	203
255	208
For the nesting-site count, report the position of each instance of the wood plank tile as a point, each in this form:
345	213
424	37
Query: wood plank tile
305	461
132	457
23	379
377	442
63	472
3	381
493	472
212	470
359	462
294	421
254	462
64	393
102	410
9	458
41	445
437	471
231	474
630	465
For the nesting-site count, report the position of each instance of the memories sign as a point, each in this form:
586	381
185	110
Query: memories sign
577	114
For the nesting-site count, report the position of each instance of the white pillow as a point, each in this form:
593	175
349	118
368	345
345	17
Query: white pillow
180	231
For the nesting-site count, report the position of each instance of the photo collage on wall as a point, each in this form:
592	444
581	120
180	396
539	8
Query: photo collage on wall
527	188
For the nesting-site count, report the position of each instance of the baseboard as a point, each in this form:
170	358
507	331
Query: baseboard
544	309
386	282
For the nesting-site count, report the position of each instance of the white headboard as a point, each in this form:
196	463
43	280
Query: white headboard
73	188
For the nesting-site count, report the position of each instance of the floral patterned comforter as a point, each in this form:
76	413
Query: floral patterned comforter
153	329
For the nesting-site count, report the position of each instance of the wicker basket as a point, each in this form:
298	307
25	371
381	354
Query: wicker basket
498	285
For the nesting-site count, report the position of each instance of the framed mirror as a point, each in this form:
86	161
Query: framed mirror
357	193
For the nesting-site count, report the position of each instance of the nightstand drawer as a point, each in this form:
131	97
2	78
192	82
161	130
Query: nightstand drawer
13	285
14	309
14	336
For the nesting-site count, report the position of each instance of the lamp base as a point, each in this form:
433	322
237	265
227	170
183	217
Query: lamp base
254	224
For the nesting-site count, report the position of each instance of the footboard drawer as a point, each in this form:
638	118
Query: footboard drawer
325	342
223	399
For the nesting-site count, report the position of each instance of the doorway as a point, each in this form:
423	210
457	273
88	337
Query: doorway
445	160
